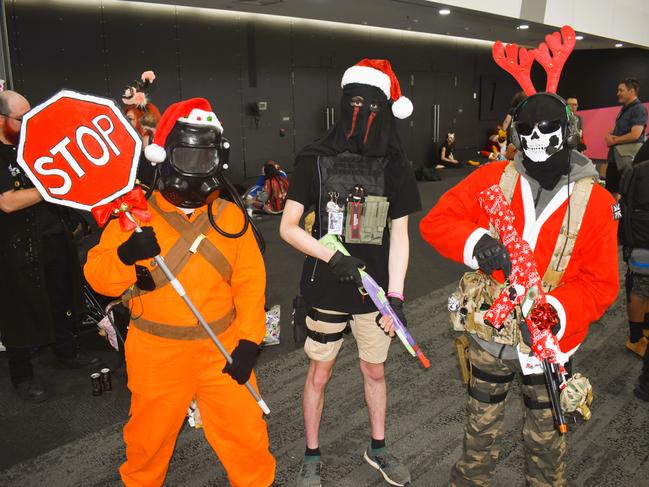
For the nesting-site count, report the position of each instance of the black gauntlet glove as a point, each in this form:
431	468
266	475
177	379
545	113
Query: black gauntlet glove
345	268
139	246
244	358
492	255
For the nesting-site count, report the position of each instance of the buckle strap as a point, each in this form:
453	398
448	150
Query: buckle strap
195	332
316	315
491	378
324	337
486	397
533	404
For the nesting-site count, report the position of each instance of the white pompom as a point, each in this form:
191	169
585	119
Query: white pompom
402	108
155	154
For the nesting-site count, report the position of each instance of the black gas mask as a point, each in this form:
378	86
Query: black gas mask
540	131
196	155
365	119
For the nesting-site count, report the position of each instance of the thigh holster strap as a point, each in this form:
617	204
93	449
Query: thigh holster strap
491	378
316	315
532	404
326	337
486	397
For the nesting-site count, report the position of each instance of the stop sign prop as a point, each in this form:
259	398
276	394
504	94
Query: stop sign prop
79	150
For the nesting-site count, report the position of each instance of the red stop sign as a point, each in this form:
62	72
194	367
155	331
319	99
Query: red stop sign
79	150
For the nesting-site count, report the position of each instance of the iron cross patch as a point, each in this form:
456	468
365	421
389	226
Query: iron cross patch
617	211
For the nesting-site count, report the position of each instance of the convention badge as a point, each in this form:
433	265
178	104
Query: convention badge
335	214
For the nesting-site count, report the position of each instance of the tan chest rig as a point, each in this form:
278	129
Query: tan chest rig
477	291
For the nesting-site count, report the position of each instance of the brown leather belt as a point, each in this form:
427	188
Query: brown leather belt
195	332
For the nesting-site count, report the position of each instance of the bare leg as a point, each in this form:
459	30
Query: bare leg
376	396
313	402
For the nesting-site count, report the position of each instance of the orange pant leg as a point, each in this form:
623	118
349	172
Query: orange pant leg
233	424
161	377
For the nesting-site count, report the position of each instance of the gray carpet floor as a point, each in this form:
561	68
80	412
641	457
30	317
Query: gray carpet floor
74	439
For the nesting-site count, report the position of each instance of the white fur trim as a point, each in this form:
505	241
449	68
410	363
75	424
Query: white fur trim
402	108
532	225
200	117
469	247
155	154
556	304
367	76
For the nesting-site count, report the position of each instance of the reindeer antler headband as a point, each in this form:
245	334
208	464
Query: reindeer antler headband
551	54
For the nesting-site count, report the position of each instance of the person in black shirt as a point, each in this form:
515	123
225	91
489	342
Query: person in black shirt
358	159
40	290
446	157
627	136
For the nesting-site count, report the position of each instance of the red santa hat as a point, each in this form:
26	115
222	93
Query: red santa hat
195	111
378	73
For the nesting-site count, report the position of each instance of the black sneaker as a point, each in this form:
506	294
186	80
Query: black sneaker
394	472
79	360
642	391
31	391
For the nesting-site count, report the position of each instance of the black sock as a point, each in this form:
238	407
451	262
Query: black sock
312	452
635	331
376	444
645	325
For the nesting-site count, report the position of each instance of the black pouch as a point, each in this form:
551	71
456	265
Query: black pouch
144	278
298	321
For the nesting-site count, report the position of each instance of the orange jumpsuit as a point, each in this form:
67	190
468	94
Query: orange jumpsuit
166	370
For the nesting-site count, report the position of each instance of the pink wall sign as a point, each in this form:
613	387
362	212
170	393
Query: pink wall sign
597	123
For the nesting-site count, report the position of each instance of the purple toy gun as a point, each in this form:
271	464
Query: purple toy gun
377	294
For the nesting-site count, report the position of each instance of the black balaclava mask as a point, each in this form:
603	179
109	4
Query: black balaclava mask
189	176
366	126
541	122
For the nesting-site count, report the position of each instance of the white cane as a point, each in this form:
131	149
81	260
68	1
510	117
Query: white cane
181	292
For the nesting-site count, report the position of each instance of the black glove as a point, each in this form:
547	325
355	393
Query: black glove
244	358
139	246
492	255
345	268
397	306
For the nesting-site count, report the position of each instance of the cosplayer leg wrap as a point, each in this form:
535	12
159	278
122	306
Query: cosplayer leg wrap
161	378
233	424
545	448
485	421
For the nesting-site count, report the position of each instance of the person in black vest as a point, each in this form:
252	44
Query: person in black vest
359	159
40	292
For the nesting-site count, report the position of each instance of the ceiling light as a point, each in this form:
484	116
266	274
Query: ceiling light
579	38
444	11
619	44
523	27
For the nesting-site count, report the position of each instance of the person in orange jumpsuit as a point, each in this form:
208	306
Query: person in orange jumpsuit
169	357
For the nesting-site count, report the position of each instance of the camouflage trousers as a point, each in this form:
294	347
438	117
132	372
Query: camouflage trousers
545	448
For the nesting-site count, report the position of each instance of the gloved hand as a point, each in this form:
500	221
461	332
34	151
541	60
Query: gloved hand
544	316
492	255
345	268
139	246
244	358
397	306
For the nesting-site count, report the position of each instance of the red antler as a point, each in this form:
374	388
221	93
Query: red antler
560	52
517	62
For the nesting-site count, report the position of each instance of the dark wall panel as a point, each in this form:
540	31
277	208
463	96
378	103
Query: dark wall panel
235	61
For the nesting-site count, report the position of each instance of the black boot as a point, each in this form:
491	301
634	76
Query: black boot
78	360
31	391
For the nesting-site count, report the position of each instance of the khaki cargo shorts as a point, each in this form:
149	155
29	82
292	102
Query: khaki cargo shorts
372	342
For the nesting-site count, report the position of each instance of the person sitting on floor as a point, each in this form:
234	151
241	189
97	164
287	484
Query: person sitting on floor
446	157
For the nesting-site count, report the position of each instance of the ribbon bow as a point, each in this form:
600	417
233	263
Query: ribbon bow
134	202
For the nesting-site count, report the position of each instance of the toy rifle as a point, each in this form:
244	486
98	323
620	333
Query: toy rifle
377	294
525	288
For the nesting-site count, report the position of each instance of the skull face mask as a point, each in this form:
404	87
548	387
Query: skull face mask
541	140
541	122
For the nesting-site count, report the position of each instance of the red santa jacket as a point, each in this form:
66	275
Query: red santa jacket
590	283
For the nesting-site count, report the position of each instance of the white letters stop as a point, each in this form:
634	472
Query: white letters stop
104	127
